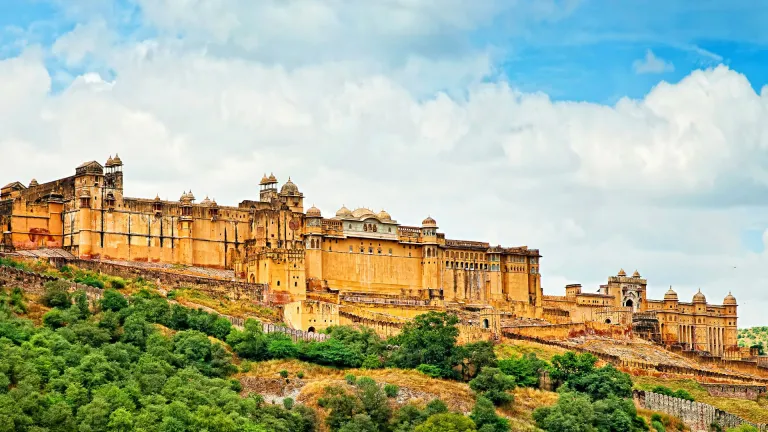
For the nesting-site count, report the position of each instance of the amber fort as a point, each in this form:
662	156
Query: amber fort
355	266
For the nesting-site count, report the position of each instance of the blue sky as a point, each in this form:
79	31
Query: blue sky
584	54
607	133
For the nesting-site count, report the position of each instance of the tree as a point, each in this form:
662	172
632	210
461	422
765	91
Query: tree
602	383
360	423
572	413
250	342
472	357
374	402
485	417
342	407
449	422
81	301
526	369
571	365
56	294
280	346
54	319
493	384
428	339
120	421
113	301
614	414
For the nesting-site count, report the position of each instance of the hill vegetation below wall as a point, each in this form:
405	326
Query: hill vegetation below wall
351	381
754	336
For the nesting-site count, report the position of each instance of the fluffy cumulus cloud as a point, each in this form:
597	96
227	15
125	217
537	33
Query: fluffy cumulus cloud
666	184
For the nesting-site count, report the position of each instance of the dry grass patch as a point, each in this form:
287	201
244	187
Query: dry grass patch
415	387
754	411
670	423
235	308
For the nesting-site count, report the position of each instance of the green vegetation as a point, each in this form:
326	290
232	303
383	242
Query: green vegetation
753	411
591	398
106	370
366	408
681	394
754	337
139	363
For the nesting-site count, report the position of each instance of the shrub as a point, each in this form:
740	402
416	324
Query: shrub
372	361
284	373
56	294
90	280
245	366
431	370
117	283
113	300
288	403
350	379
658	426
54	319
681	394
493	384
602	383
485	417
391	390
526	370
235	385
447	422
300	374
365	381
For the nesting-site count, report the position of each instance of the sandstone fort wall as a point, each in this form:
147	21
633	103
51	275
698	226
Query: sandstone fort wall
696	415
34	283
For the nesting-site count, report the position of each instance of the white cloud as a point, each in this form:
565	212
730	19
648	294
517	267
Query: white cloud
652	64
645	184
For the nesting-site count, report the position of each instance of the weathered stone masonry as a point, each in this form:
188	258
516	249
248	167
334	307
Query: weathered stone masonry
696	415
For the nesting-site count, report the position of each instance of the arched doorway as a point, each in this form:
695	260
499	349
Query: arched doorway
311	329
608	321
485	323
629	303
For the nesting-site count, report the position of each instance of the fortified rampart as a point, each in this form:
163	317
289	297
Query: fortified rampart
571	330
696	415
34	283
697	373
218	288
736	391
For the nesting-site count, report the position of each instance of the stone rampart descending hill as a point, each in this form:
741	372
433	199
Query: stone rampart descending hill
696	415
34	283
626	356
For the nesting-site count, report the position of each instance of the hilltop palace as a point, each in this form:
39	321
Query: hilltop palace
331	270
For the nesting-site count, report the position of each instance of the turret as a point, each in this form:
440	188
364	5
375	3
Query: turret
291	196
268	188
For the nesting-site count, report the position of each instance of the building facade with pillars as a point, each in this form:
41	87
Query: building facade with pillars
693	326
269	240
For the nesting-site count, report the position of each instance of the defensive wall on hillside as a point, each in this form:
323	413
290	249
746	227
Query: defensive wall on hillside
34	283
736	391
571	330
218	288
697	373
696	415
